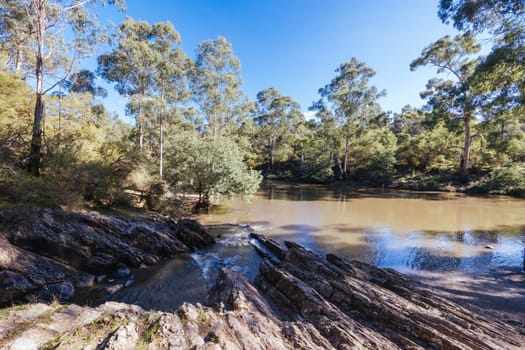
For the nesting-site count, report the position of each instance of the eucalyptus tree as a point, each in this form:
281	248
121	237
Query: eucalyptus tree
45	23
277	119
83	81
328	135
216	82
131	65
494	15
16	38
171	79
501	75
150	69
454	97
353	101
40	26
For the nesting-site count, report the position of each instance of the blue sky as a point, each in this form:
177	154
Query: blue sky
295	45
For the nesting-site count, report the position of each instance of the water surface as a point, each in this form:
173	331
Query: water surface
415	232
408	231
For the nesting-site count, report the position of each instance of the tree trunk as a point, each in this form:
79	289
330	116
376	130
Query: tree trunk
140	127
161	140
340	167
271	155
18	61
464	164
38	7
345	165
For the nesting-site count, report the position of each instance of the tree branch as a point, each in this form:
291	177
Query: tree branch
71	7
63	78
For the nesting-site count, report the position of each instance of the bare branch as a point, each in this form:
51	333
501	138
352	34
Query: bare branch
68	72
71	7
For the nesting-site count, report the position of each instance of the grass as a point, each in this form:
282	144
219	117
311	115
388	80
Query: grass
23	326
4	313
147	336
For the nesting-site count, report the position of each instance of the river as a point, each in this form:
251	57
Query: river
412	232
397	229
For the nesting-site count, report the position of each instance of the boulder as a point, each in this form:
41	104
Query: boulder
23	273
193	234
63	291
42	247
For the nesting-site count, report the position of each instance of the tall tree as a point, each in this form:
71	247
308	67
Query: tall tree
46	22
16	38
150	69
352	98
454	98
131	65
171	79
277	118
481	15
501	75
216	81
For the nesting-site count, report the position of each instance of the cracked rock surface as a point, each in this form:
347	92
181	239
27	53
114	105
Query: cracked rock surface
299	300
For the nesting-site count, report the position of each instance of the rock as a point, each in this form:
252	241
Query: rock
124	338
25	344
85	281
299	299
63	291
488	246
271	245
96	243
23	273
129	282
12	285
121	271
47	246
101	278
305	301
113	288
193	234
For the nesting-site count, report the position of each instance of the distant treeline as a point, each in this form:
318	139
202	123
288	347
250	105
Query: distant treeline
195	131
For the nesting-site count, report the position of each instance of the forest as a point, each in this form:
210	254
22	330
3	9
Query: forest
195	132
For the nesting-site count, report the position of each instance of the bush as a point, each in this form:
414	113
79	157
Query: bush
509	180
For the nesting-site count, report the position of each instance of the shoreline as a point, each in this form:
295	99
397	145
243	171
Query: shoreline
498	294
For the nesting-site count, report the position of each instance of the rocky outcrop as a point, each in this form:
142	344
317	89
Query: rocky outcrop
43	247
299	301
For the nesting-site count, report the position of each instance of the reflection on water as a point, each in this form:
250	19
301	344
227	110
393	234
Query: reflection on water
408	231
404	230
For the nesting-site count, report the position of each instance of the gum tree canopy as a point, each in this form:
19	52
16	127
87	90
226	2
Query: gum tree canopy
35	30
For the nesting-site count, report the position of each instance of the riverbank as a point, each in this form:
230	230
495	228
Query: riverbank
47	253
299	300
504	182
498	294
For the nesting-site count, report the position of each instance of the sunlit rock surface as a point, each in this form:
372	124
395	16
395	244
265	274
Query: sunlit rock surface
299	300
45	253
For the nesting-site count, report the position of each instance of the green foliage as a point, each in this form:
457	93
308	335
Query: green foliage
193	115
508	180
16	107
209	166
216	82
316	169
278	120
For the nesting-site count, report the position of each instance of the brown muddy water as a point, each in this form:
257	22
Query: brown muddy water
402	230
413	232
